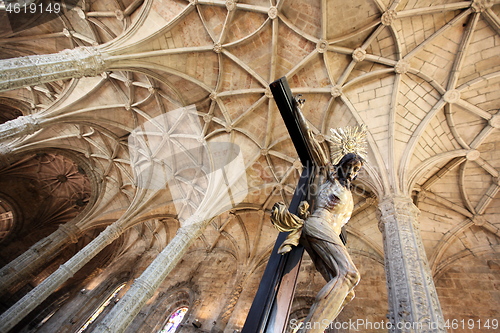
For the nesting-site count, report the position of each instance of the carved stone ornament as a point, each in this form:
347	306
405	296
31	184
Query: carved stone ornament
268	93
473	155
388	17
88	60
451	96
321	46
120	16
144	286
273	12
359	55
33	70
217	48
336	90
320	137
297	164
207	118
230	5
402	66
479	220
480	6
67	33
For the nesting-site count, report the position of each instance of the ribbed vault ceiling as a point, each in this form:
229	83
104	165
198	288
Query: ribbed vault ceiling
424	76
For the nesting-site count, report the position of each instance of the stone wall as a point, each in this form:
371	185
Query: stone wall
469	292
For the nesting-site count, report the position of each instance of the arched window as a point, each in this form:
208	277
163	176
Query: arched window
100	309
174	320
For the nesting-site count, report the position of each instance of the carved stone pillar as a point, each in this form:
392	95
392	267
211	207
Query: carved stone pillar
36	296
23	125
5	155
32	70
413	302
39	254
144	287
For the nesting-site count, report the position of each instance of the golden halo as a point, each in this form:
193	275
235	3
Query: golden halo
349	139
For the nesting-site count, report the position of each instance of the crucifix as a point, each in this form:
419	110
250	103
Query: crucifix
318	231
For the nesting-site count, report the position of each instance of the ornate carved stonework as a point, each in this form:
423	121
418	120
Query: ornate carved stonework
336	91
413	301
322	45
402	66
451	96
32	70
217	48
388	17
359	54
23	125
273	12
480	6
230	5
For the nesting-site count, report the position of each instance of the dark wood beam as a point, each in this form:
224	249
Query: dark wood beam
271	306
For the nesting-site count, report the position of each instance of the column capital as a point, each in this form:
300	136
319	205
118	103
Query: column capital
113	231
88	60
397	207
71	230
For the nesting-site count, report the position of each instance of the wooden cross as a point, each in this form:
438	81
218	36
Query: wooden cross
271	306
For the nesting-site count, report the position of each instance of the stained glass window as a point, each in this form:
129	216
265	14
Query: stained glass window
174	320
101	309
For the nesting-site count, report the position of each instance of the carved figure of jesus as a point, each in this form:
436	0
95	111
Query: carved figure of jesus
320	230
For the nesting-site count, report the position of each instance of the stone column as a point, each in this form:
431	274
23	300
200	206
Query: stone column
32	70
37	295
144	287
5	155
23	125
227	310
39	254
413	302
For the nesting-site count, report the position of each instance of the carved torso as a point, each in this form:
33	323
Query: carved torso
334	204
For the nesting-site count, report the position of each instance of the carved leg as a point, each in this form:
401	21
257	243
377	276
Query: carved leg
331	299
